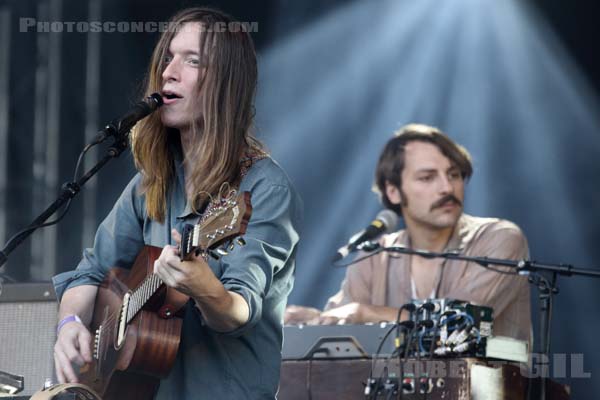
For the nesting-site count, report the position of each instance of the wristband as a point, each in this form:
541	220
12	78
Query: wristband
66	320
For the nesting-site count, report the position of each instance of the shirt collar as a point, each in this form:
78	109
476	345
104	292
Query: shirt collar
457	241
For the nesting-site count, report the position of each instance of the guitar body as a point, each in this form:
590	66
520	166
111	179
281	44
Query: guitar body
131	367
137	320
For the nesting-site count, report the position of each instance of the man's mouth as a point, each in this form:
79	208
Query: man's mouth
448	201
170	97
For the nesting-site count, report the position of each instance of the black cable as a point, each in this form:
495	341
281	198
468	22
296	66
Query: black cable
430	359
398	352
33	228
407	346
448	255
80	159
374	359
497	270
410	307
390	390
418	357
409	342
375	252
384	378
65	209
397	348
310	358
390	394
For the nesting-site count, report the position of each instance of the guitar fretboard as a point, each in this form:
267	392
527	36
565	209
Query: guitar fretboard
142	294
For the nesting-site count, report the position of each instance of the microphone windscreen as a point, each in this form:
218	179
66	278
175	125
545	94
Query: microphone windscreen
155	100
390	219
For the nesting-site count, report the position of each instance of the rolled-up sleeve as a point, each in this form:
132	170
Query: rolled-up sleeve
118	240
271	238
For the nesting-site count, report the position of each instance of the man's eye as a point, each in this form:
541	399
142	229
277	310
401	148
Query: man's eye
455	175
426	178
193	61
167	59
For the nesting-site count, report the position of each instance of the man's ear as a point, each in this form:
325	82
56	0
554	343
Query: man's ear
393	193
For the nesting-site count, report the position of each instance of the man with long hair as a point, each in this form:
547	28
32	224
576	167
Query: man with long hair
421	175
198	142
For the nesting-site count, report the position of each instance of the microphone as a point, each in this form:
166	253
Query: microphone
122	125
385	222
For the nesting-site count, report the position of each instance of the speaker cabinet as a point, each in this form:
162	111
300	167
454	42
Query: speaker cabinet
28	313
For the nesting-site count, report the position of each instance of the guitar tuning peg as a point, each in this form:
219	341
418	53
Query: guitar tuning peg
231	246
222	252
214	255
241	241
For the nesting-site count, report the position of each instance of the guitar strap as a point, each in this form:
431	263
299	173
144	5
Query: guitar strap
246	162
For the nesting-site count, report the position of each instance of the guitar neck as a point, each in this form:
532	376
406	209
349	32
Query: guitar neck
228	219
142	294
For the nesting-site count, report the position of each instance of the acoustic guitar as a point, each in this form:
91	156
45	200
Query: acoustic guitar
137	319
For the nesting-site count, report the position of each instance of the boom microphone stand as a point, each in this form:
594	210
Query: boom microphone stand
119	131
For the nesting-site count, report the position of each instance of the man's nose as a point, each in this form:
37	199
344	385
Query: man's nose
171	72
445	185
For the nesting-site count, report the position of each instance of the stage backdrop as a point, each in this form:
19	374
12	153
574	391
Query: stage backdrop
515	82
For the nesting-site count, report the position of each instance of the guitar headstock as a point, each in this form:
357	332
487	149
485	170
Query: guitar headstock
227	220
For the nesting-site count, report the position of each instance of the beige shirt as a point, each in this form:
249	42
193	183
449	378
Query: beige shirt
385	280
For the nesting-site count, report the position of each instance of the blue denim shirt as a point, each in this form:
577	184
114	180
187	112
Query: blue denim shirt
245	363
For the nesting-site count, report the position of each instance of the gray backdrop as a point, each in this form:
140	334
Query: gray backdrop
515	82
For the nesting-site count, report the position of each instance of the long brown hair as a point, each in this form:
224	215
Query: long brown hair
224	116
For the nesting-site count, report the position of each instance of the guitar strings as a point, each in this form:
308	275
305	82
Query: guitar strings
147	285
